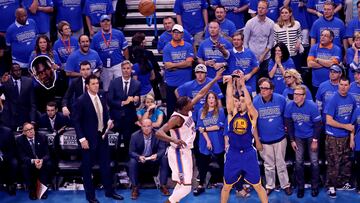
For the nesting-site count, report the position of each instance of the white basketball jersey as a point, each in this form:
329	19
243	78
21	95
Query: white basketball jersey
186	132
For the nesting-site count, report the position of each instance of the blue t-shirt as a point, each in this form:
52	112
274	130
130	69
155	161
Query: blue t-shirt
191	14
144	78
273	8
94	9
335	24
63	49
166	37
303	117
227	28
325	92
288	93
206	52
55	59
192	88
320	75
270	114
245	61
355	92
236	18
70	11
41	18
278	78
341	109
352	27
157	112
22	39
350	59
7	13
216	137
111	48
318	5
177	54
299	13
75	58
355	120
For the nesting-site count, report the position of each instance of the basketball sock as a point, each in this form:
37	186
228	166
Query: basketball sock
180	191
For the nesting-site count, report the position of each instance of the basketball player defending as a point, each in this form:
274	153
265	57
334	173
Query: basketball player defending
241	157
182	135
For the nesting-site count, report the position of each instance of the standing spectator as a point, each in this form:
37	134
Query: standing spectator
316	8
91	119
241	58
34	156
212	51
43	48
321	57
279	62
188	12
40	12
19	106
234	10
303	123
259	36
178	58
71	12
330	22
150	111
21	36
355	145
273	6
352	56
84	53
227	27
338	128
353	26
271	108
355	87
66	44
111	46
293	79
288	31
123	98
93	10
147	152
210	123
166	36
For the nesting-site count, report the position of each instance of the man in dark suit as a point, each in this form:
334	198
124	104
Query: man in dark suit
147	152
19	106
76	88
52	120
34	157
123	98
91	119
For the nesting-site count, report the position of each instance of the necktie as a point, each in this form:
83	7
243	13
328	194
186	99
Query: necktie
17	87
147	149
32	144
99	114
126	88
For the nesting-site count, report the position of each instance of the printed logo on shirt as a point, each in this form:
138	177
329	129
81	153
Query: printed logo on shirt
42	3
269	112
213	120
98	8
240	126
114	44
178	56
6	2
243	62
345	110
192	6
300	118
71	3
230	4
26	37
210	53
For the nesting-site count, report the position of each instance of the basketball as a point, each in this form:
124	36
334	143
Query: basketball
146	7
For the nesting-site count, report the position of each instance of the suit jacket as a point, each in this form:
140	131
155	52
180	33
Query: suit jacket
26	154
74	91
60	121
7	143
85	119
18	108
137	145
116	94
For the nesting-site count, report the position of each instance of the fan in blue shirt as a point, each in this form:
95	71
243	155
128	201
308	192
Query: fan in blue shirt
66	44
70	11
190	14
40	11
7	11
235	10
227	27
355	87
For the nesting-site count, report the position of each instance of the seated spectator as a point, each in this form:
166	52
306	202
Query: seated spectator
150	111
53	120
34	157
279	62
352	56
293	79
147	152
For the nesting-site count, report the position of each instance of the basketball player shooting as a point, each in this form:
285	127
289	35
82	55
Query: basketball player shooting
182	135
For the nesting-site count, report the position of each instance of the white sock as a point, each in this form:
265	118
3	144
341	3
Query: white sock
180	191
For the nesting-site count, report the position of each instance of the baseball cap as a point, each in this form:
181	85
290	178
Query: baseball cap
104	17
178	28
336	68
201	68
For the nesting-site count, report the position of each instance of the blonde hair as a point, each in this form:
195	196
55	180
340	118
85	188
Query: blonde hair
281	23
295	74
356	35
301	87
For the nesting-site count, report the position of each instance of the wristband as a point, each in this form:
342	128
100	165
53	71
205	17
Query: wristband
205	129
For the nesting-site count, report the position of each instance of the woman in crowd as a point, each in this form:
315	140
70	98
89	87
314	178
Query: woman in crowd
280	61
43	47
288	31
211	121
150	111
293	79
352	56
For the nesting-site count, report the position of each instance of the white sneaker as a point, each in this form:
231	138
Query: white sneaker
332	192
346	186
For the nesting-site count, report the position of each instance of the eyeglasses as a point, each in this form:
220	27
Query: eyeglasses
28	130
288	77
299	94
265	88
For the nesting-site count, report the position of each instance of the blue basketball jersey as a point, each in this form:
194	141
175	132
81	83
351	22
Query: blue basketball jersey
240	131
